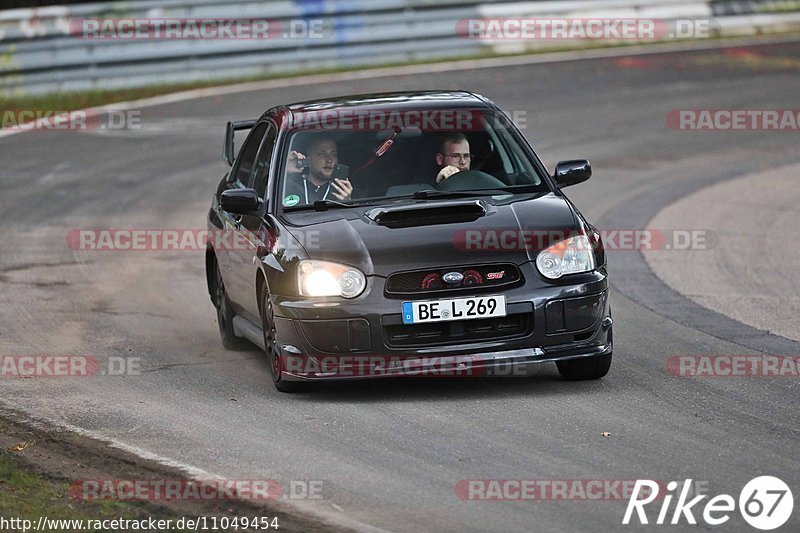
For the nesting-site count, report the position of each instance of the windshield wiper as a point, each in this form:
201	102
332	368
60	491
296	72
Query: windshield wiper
425	194
493	191
518	189
324	205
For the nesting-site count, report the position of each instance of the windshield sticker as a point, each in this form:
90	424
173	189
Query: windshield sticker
291	200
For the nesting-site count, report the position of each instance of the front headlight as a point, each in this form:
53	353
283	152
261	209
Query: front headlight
323	278
570	256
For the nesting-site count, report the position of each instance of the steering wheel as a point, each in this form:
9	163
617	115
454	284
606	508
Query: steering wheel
470	179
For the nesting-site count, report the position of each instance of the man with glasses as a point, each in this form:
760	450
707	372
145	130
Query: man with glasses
453	156
319	184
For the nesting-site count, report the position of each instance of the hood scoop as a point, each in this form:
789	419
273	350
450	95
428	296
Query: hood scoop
428	213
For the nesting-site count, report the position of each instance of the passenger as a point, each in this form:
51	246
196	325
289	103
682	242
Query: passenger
319	183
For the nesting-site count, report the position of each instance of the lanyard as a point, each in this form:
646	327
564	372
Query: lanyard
305	188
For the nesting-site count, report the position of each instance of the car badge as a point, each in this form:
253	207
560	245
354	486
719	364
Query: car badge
452	278
495	275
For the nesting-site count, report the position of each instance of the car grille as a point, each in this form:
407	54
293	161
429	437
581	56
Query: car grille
431	280
518	324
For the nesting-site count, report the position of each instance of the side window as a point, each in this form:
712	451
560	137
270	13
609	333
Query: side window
502	152
243	167
263	161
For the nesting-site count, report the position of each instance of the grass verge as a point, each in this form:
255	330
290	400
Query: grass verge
41	468
26	495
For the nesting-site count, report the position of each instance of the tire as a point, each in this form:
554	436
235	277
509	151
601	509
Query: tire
272	347
225	314
585	368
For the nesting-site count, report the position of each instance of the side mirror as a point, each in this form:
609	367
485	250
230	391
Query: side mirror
572	172
240	201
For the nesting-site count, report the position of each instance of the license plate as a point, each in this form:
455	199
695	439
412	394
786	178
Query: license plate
454	309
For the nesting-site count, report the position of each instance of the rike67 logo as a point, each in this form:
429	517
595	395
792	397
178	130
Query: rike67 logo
765	503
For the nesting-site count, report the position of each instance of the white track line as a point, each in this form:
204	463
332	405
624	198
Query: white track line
191	472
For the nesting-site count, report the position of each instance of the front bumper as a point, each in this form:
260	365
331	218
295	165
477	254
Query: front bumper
357	339
492	364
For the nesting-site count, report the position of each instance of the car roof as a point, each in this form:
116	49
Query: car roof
393	101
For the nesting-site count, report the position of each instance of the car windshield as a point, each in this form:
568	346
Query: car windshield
409	154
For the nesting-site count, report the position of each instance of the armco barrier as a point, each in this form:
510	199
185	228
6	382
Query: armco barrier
38	53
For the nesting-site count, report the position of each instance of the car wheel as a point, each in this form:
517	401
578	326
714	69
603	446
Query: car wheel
225	314
585	368
272	348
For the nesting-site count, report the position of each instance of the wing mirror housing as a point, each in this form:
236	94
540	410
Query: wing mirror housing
240	201
572	172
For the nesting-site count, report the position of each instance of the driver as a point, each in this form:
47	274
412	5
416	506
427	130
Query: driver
453	156
319	184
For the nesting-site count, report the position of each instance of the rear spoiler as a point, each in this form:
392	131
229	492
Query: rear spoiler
232	127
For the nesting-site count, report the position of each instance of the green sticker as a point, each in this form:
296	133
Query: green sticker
291	200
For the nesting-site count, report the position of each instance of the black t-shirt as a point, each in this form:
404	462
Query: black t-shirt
300	191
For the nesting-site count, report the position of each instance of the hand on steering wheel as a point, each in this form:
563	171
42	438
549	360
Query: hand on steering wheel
446	172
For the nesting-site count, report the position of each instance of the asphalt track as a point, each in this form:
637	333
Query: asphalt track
750	219
391	453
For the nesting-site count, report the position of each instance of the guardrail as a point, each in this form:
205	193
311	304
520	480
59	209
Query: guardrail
48	49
